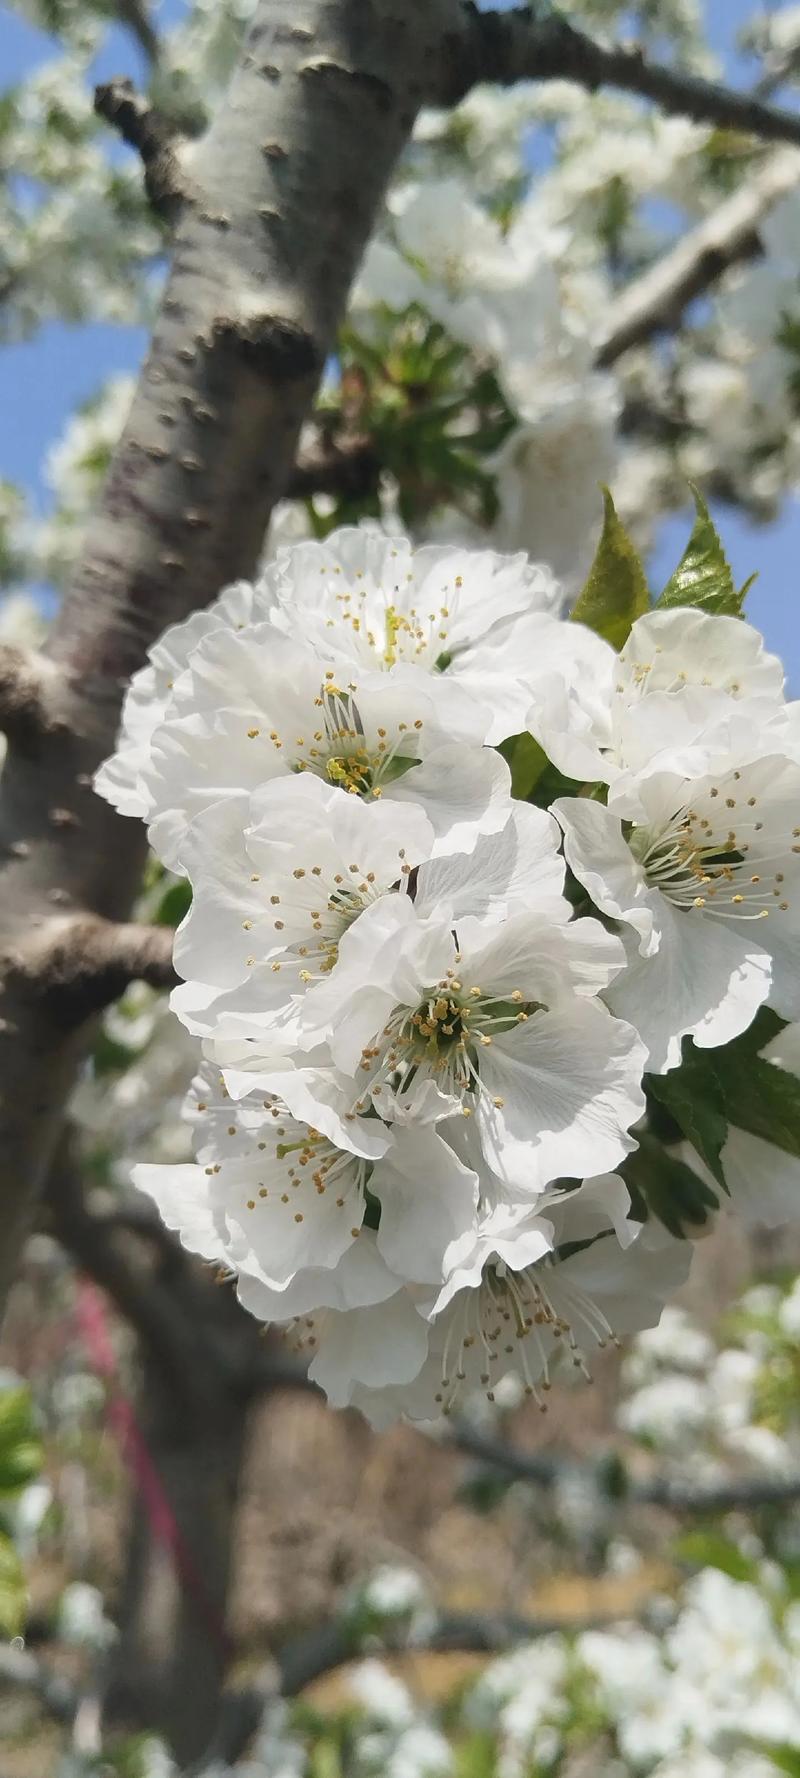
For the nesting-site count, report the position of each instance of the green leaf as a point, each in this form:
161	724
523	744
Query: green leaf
703	576
694	1097
527	761
616	592
760	1098
784	1758
20	1451
669	1189
709	1549
13	1592
174	905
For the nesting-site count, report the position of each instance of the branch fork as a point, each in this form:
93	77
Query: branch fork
155	139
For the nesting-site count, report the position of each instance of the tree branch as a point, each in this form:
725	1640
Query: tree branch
657	299
155	1313
135	15
506	47
545	1470
26	701
79	965
311	1656
348	467
153	137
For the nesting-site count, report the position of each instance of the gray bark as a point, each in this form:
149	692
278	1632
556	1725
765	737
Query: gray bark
275	206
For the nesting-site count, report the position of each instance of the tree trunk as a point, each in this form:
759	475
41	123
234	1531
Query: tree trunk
272	209
167	1670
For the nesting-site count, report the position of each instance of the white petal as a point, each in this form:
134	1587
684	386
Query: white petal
706	981
374	1347
428	1202
515	869
600	857
465	792
183	1199
569	1083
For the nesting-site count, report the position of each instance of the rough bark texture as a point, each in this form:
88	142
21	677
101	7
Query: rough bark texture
278	200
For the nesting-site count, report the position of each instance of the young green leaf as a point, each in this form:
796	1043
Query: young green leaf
13	1592
616	592
703	576
20	1452
527	761
693	1096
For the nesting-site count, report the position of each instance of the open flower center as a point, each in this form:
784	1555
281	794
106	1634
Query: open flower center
301	1165
518	1321
343	753
718	857
325	902
442	1037
384	629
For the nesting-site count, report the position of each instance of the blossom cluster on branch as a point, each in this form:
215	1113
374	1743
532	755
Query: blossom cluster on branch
485	903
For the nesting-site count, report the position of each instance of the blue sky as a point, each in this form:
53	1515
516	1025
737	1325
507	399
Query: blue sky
42	381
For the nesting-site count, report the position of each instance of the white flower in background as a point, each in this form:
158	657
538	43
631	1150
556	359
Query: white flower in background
632	1683
704	871
523	1700
726	1645
789	1312
676	1341
471	616
396	1592
668	1413
597	713
499	1023
550	468
453	258
81	1617
22	620
283	1197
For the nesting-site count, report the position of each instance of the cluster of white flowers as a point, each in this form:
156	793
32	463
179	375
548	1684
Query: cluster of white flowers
421	1071
713	1695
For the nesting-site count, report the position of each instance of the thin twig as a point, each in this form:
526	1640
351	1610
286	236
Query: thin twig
742	1493
506	47
134	14
311	1656
82	964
